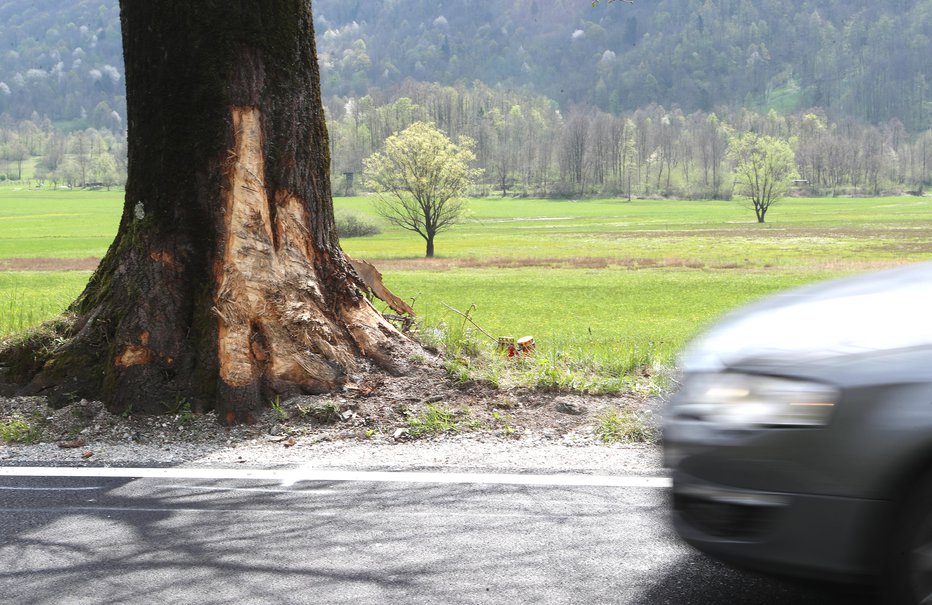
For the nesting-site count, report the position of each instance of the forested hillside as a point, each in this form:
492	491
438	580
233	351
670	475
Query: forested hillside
563	98
62	61
867	59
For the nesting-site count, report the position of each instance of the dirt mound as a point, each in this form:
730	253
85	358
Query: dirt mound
376	407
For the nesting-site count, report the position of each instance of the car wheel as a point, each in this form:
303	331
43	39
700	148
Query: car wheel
910	575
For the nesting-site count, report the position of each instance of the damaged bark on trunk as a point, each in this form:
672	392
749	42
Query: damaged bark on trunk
225	285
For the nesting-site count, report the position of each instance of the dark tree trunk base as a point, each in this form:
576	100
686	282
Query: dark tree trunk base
225	286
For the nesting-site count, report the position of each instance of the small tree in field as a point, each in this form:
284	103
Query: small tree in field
764	169
421	177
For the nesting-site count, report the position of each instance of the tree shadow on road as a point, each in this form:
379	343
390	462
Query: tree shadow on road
220	541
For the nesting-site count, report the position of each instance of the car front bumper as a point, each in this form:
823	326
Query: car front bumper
825	537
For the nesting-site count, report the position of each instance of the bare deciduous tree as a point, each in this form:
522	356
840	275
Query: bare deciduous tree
421	177
764	169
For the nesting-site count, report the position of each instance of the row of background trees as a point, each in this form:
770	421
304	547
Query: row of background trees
527	147
36	152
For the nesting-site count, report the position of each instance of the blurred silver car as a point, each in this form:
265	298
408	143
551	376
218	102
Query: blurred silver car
801	439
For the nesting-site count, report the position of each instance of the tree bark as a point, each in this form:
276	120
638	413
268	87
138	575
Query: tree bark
225	285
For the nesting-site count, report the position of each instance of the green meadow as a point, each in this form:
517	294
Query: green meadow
57	224
27	298
800	232
610	284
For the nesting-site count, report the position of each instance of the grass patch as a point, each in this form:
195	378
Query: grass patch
598	325
623	426
28	298
435	419
280	412
325	413
57	224
181	410
502	422
25	353
20	430
469	356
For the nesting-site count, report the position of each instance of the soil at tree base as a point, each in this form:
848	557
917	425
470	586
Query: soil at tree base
373	410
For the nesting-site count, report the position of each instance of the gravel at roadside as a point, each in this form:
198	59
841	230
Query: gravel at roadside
531	435
455	454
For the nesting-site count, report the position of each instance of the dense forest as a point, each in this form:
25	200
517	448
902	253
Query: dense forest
868	59
563	98
62	62
860	58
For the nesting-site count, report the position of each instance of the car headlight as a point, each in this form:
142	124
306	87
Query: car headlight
737	400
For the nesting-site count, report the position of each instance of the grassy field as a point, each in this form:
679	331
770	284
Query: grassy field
28	298
840	233
57	224
604	321
608	283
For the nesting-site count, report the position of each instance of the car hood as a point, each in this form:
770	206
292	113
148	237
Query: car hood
876	312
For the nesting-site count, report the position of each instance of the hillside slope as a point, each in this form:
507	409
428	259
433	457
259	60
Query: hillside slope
866	59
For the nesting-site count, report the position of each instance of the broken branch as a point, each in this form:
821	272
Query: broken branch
469	319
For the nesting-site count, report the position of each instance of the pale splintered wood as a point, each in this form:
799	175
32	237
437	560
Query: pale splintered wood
269	303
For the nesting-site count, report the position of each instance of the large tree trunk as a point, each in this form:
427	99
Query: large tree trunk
225	285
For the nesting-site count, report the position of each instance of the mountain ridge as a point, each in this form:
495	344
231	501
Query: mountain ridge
867	60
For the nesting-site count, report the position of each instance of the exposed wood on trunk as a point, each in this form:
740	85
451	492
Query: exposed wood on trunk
225	285
373	280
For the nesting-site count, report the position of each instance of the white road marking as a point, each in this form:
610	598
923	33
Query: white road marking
292	476
260	490
48	489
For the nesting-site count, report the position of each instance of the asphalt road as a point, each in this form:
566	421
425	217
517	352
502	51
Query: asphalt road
232	540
